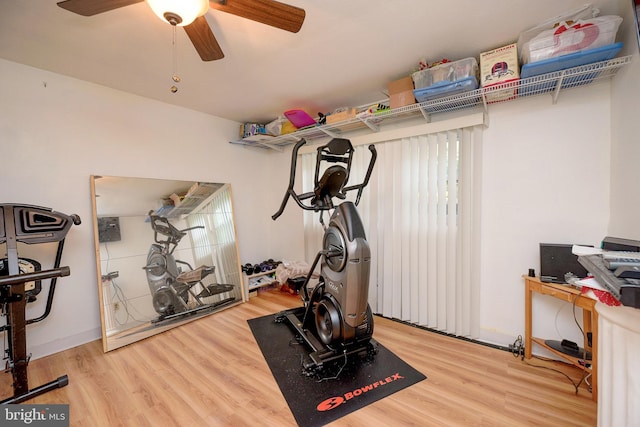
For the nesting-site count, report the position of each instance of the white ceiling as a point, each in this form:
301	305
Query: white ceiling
344	55
121	196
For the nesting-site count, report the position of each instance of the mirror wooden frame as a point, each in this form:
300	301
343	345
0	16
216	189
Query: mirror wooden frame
126	213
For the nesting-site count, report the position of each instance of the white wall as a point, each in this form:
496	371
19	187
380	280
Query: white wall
545	179
625	148
57	131
535	187
126	257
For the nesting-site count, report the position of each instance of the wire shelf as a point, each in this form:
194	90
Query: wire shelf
550	83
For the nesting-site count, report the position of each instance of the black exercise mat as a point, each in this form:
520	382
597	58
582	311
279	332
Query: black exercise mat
316	401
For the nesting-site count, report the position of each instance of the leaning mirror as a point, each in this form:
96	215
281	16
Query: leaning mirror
166	254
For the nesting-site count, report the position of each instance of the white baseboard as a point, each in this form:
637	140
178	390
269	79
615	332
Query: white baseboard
66	343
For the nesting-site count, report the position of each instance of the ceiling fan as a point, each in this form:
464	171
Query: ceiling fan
269	12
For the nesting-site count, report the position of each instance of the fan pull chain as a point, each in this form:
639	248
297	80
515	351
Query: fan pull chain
175	76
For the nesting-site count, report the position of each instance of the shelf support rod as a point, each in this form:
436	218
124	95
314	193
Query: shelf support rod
374	127
556	91
425	114
484	101
328	132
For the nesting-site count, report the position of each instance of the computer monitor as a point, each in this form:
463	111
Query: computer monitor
556	260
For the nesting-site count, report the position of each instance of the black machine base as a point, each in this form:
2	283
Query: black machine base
58	383
183	314
319	353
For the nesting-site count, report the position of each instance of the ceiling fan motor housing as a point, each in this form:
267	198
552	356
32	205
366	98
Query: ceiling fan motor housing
172	18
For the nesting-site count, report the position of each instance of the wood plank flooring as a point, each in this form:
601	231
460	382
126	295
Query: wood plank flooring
210	372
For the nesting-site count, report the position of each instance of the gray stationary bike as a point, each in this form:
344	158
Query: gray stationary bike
336	320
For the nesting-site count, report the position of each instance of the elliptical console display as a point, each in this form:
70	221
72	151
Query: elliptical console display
336	320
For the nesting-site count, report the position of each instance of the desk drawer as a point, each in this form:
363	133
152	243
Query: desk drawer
561	294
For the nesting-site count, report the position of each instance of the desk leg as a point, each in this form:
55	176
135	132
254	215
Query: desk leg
594	355
590	323
527	320
588	327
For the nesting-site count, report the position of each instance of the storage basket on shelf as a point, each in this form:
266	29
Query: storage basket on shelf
446	80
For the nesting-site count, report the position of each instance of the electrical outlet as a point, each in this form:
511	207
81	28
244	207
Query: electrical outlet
116	306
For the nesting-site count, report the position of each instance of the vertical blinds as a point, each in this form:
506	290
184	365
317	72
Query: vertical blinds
422	226
215	243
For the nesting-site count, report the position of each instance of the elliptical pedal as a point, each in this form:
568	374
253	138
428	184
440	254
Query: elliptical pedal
215	289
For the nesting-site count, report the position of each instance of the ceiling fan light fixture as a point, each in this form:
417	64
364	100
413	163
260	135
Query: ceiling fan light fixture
179	12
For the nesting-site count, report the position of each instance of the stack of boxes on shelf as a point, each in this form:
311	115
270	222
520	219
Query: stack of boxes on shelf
578	37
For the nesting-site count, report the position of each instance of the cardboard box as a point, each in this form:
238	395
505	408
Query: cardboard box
347	113
401	92
400	85
499	67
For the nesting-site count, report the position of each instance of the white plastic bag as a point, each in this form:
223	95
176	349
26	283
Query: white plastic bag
571	37
586	11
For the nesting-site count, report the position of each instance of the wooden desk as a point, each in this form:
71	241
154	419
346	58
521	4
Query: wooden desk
589	323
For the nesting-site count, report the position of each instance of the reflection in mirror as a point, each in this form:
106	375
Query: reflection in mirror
166	254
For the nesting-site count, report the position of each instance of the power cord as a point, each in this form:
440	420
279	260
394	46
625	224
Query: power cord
517	348
576	386
335	377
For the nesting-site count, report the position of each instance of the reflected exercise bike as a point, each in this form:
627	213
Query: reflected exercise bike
336	320
176	291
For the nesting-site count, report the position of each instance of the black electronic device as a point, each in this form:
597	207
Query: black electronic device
627	272
109	229
620	244
557	260
570	348
627	291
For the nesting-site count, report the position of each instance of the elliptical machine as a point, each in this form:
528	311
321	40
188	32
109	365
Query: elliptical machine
170	286
336	320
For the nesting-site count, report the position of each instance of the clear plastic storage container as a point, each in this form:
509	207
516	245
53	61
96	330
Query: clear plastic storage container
447	73
571	37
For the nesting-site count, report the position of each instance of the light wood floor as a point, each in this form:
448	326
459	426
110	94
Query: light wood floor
211	372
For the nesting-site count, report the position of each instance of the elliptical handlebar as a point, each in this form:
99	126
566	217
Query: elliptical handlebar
360	187
161	225
300	197
76	219
292	178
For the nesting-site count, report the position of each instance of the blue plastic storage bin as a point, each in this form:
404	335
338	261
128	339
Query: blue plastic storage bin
446	89
564	62
571	60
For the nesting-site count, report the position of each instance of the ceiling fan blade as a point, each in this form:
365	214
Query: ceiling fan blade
270	12
94	7
203	39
